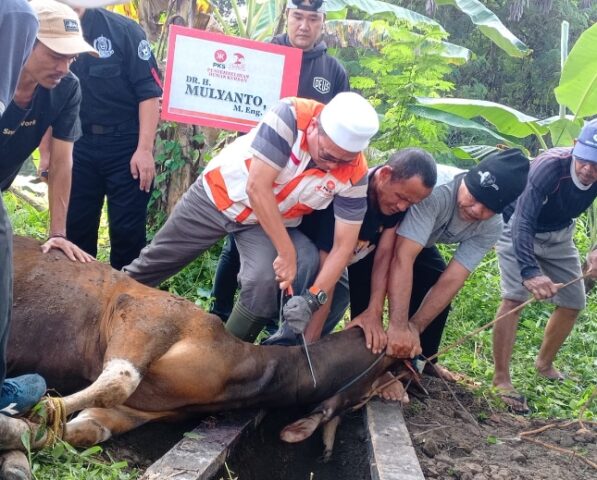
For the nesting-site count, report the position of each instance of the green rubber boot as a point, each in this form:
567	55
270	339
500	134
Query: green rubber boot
243	324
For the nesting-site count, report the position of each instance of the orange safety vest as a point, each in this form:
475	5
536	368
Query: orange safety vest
298	190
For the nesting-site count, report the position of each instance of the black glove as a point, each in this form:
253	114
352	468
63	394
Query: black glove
298	311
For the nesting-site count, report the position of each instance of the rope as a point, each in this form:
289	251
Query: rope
54	417
463	339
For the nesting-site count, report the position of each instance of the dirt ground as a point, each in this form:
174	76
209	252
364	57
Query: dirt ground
472	442
465	442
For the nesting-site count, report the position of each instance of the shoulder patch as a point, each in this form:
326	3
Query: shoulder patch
144	50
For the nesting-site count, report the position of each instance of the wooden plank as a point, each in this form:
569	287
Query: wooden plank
393	456
200	454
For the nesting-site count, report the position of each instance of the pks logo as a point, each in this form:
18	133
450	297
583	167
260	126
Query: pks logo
487	180
322	85
220	56
239	62
327	189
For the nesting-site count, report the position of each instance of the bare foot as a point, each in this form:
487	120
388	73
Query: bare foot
393	391
436	370
550	373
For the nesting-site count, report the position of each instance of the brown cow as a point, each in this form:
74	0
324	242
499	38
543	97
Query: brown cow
128	354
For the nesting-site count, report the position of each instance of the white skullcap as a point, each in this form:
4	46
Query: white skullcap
350	121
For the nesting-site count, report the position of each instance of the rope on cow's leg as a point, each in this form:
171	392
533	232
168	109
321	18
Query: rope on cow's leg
52	411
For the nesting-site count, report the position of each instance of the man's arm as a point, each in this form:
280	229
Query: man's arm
59	182
524	226
345	240
315	326
403	339
371	319
142	163
264	205
440	295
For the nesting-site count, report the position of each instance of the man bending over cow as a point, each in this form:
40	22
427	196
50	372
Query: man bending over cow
463	212
404	180
301	157
47	94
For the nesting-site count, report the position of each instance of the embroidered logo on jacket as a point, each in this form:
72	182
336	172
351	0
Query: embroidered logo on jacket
103	46
322	85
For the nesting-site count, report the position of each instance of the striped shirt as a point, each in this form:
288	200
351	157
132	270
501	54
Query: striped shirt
300	187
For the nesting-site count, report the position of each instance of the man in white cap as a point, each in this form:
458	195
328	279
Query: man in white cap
301	157
46	95
321	78
536	254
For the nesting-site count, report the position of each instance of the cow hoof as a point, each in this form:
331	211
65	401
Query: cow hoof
15	466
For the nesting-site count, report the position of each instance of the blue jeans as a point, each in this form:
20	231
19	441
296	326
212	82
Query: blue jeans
5	285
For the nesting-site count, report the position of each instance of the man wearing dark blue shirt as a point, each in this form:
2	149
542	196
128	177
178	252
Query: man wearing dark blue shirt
119	116
537	254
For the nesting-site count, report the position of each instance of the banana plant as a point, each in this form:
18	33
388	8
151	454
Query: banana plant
576	90
261	19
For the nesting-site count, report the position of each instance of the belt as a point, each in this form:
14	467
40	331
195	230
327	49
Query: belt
127	127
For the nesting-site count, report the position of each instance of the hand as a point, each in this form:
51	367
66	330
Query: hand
143	168
285	270
375	337
73	252
298	310
403	341
541	287
592	264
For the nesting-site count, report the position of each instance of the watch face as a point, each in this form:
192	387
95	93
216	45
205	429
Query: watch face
322	297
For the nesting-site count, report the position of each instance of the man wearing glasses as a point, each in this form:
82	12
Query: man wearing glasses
537	254
301	157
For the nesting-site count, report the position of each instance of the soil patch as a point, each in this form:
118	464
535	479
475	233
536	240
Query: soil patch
452	445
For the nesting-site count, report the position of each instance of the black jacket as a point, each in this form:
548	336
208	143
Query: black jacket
322	76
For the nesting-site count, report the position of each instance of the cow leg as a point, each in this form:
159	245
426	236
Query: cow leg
329	436
95	425
114	386
15	466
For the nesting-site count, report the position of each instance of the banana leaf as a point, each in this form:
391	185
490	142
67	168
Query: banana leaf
364	34
578	82
460	122
506	120
563	131
490	26
373	7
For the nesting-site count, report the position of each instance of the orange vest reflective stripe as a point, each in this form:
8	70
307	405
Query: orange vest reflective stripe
298	190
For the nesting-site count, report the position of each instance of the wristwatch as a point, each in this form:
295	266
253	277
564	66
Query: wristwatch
319	295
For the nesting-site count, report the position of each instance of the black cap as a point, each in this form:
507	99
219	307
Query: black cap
499	179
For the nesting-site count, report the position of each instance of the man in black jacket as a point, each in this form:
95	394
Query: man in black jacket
322	77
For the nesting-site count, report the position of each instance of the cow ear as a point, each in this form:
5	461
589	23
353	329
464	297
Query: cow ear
301	429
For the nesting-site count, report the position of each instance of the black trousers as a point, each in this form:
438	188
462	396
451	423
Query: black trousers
101	168
428	267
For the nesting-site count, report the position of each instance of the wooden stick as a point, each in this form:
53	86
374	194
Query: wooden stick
565	451
463	339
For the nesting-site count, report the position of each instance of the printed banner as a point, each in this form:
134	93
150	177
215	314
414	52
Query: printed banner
225	82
